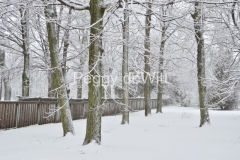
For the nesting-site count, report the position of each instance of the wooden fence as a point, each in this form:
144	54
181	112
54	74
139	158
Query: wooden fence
26	112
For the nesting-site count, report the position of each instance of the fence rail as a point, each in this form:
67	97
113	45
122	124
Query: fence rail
31	111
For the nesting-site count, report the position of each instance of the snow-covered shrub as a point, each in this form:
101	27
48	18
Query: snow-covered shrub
221	89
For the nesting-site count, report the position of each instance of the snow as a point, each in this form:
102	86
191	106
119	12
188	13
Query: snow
172	135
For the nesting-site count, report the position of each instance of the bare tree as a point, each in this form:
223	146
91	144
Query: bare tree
96	9
83	57
93	130
198	28
165	23
24	12
125	108
57	74
4	77
146	59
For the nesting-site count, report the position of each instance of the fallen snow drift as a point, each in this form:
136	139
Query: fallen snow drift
172	135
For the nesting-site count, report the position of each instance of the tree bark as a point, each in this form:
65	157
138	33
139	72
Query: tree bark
4	77
125	107
93	128
83	56
57	75
7	86
198	28
66	45
79	88
24	11
109	86
2	64
147	59
65	49
160	74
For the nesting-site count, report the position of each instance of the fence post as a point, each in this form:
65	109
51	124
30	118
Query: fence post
17	113
38	114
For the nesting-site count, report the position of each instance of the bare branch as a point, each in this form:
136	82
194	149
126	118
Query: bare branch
74	5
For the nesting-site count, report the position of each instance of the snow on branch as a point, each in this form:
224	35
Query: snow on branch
162	3
171	2
78	6
75	5
210	1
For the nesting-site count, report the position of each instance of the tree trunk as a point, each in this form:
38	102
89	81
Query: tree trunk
65	49
4	77
198	27
57	75
49	77
53	92
66	45
125	107
146	60
2	64
93	128
82	62
79	88
24	11
102	89
7	86
160	74
109	86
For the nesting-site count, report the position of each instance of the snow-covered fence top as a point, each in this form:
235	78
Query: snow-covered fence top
31	111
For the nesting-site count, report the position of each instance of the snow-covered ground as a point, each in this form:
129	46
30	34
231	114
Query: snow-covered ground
173	135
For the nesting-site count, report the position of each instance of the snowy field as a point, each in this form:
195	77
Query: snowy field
173	135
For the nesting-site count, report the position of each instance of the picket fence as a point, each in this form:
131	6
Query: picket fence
32	111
